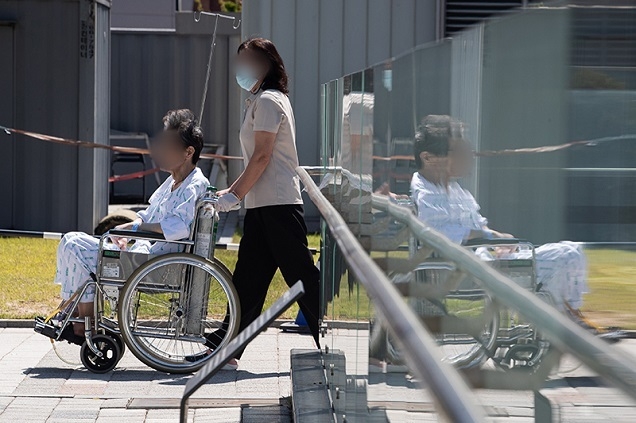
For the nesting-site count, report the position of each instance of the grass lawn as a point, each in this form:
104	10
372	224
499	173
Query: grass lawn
612	283
27	269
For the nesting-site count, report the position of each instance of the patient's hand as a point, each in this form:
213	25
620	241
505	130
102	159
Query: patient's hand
501	234
384	189
503	251
121	242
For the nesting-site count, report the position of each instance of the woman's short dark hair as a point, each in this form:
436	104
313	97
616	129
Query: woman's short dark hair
434	134
185	123
276	78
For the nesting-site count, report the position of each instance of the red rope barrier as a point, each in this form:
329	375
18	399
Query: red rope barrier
134	175
86	144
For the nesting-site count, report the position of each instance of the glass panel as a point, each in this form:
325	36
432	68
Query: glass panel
516	92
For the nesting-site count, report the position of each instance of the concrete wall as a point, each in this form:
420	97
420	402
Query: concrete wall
49	86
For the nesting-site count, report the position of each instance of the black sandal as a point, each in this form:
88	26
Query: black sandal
212	341
196	357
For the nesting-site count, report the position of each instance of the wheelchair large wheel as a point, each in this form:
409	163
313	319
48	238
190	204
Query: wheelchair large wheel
464	324
166	320
479	316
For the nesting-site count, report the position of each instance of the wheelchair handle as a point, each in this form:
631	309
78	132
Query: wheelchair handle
497	241
135	234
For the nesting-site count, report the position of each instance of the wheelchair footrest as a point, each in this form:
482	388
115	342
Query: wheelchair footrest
45	329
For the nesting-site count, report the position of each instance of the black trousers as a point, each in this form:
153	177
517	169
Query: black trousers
275	237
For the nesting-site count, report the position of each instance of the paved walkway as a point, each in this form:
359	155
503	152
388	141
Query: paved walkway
578	394
36	386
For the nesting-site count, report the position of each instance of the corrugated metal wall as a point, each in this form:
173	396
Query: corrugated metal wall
143	13
323	40
318	40
43	96
155	71
7	143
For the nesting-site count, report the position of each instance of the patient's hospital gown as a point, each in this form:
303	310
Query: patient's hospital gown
173	210
561	267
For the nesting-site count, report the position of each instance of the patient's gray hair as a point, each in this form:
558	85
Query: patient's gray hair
443	126
434	134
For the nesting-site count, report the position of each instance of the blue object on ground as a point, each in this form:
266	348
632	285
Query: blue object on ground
300	319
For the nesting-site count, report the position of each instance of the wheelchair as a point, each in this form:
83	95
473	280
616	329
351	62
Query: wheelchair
468	324
164	308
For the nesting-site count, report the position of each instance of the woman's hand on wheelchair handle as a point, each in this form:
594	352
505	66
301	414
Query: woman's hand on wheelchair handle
228	202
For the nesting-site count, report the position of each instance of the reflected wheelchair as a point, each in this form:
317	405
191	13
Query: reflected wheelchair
468	324
165	308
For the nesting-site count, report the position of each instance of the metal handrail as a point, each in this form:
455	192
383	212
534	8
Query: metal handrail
420	349
566	335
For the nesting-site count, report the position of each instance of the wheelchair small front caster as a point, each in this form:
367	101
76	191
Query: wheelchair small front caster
109	349
120	343
323	330
524	356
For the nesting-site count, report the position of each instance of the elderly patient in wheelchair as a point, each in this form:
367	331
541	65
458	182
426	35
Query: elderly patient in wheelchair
442	155
171	213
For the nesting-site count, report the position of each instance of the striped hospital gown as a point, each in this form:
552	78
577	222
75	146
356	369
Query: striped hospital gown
173	210
561	267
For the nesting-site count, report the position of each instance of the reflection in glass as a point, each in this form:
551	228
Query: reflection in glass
507	88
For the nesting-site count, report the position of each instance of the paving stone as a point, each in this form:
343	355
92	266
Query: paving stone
119	415
270	414
4	402
35	386
218	415
399	416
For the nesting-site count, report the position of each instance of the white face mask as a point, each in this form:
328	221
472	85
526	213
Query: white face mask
245	78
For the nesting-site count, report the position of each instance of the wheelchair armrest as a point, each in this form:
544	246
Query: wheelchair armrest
497	241
135	234
436	265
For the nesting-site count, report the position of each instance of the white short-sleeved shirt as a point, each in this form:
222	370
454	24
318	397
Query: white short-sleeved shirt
271	111
174	210
450	210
